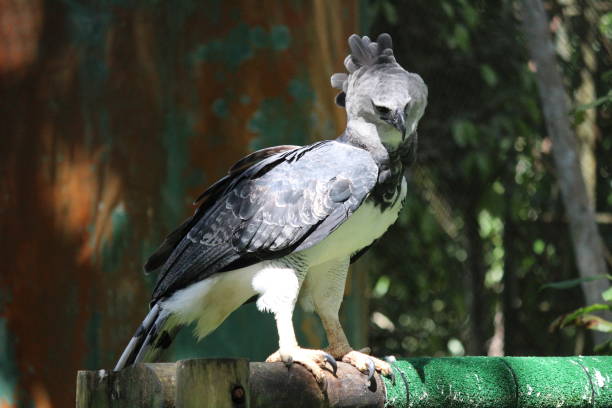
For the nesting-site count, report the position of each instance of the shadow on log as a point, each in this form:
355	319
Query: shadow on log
275	385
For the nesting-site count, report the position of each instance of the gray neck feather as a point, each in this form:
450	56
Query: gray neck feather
364	135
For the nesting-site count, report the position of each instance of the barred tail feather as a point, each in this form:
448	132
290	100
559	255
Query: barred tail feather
154	335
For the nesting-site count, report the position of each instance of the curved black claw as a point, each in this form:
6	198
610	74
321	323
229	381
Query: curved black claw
332	362
391	360
392	377
371	368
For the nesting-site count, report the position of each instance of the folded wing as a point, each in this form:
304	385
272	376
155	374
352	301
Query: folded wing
286	202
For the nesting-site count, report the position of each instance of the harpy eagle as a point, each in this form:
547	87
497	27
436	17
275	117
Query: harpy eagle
286	222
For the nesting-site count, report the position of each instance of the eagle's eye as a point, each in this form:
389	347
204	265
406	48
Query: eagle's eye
382	109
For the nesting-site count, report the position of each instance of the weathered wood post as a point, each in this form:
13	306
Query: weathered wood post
142	385
220	383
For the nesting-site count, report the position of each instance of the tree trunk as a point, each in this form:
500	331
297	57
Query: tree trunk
478	301
509	295
586	129
588	247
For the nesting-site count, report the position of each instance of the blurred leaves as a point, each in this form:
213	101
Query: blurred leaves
583	317
573	282
484	165
382	286
579	112
488	75
465	133
460	38
605	25
607	295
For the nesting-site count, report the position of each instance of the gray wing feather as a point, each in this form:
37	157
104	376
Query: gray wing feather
295	197
280	206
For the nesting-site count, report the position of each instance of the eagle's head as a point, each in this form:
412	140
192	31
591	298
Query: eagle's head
378	93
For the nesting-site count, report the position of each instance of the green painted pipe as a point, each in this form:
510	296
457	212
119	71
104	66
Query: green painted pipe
517	382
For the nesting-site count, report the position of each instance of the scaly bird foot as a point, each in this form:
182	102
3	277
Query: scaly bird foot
313	360
367	364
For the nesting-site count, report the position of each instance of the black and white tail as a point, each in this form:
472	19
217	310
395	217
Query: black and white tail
154	335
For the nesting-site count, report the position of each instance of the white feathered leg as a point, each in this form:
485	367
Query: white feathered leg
279	287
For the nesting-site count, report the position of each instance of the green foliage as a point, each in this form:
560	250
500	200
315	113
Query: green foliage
607	295
488	75
573	282
582	316
605	25
483	223
580	111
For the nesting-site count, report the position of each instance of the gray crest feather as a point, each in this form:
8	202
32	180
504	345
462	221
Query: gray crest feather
337	80
364	53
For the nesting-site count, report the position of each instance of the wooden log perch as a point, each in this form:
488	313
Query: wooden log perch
517	382
222	383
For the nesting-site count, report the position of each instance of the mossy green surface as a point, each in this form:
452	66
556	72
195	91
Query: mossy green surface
521	382
599	370
550	382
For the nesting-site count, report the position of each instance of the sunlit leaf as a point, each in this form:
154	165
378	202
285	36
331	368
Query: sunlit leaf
583	311
489	76
461	37
607	295
469	13
382	286
593	322
605	25
539	246
599	101
448	9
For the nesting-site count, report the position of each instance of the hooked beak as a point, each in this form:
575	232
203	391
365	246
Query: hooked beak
396	119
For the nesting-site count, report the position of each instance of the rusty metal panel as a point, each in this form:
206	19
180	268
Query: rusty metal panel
114	115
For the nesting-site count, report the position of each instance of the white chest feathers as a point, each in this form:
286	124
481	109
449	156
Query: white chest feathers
360	230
